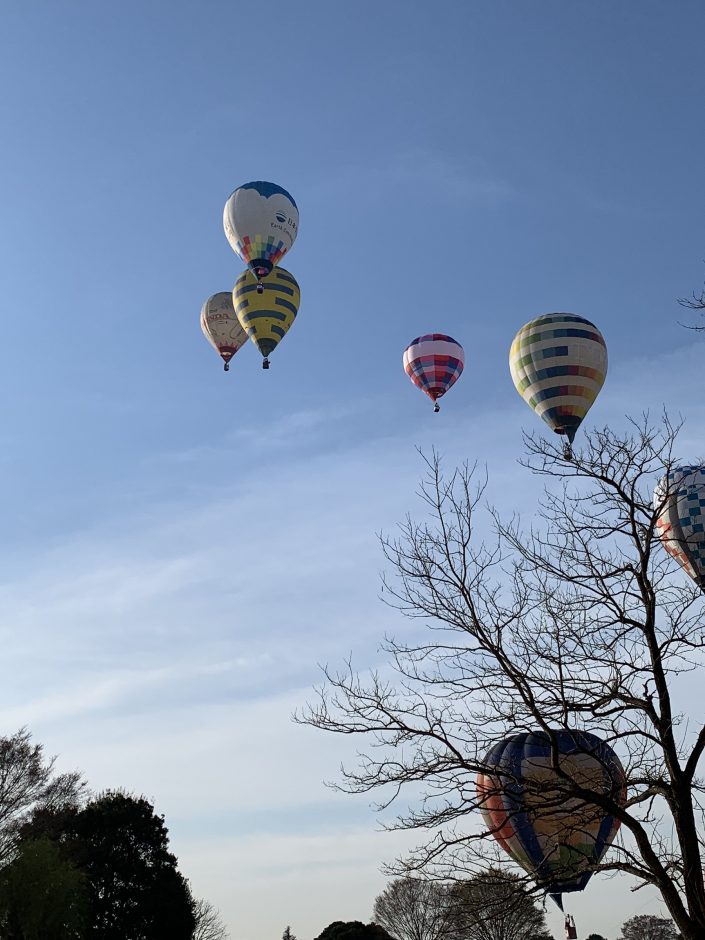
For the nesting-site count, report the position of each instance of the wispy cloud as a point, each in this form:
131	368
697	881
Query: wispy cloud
165	650
426	169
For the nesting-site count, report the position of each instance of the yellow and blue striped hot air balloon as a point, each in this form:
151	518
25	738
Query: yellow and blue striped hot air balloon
266	314
558	363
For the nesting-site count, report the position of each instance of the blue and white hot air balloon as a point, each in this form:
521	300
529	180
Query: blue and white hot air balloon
261	222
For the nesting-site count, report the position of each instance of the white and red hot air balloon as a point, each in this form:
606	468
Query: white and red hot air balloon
434	362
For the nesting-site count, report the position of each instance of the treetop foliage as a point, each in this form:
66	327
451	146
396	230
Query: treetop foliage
353	930
120	845
649	927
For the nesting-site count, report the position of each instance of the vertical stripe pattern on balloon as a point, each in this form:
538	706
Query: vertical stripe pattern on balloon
527	806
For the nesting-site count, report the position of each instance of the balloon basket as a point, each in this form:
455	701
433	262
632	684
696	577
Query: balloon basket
436	408
567	452
265	363
260	288
226	367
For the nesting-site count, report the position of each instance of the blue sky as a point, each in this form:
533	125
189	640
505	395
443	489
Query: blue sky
182	547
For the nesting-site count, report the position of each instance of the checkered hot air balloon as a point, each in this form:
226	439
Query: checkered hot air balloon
558	364
434	362
529	806
261	221
221	326
679	499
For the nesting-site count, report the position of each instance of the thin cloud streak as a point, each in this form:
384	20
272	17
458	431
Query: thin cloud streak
227	623
419	167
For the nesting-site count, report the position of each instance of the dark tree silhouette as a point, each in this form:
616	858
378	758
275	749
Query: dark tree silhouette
580	622
42	896
353	930
133	886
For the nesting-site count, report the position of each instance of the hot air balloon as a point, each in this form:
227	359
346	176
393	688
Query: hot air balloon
261	221
221	326
266	315
434	362
558	363
679	498
527	806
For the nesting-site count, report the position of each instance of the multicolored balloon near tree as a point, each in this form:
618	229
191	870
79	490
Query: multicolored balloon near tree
266	315
530	809
261	222
558	364
221	326
679	499
434	362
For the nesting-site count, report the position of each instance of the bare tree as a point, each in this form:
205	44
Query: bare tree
27	783
580	622
209	925
648	927
496	906
696	301
415	909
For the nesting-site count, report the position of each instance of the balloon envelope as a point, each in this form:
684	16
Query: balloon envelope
558	363
221	326
527	806
266	316
679	499
261	221
434	362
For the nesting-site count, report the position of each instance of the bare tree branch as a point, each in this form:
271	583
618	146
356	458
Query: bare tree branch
579	622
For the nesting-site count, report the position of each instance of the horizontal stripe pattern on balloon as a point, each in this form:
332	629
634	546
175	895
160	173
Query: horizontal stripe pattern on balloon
266	316
434	362
679	498
558	364
528	807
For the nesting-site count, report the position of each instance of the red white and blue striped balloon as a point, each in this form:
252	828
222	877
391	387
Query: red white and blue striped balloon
434	363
